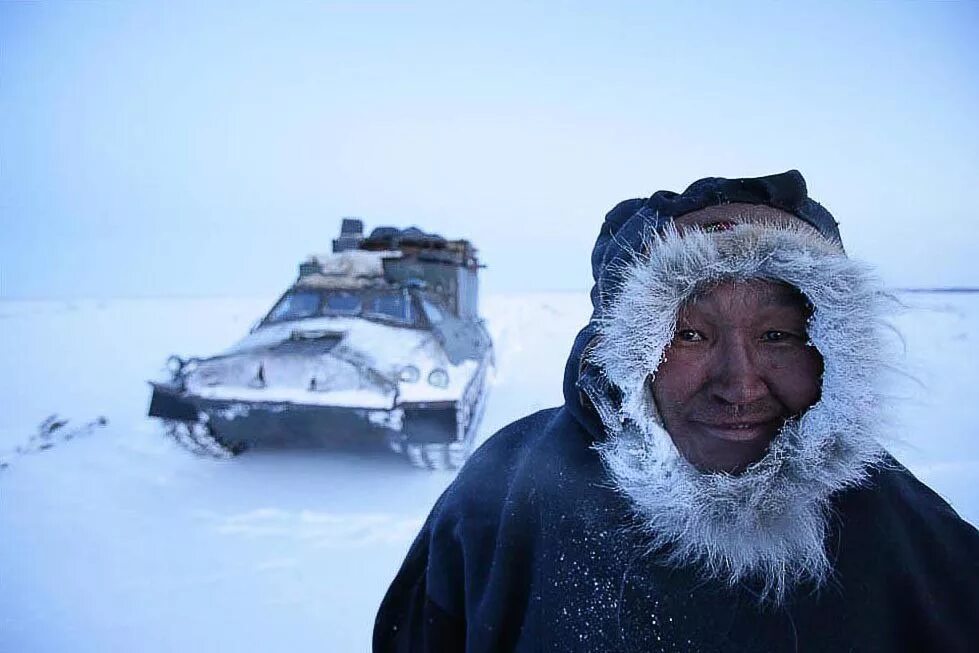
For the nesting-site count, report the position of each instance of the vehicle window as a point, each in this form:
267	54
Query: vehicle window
342	303
391	305
295	306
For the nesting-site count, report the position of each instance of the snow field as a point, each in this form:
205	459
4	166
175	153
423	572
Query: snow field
118	540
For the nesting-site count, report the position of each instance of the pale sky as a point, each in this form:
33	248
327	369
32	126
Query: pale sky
173	149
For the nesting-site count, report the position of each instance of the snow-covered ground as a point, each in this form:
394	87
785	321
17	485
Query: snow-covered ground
117	540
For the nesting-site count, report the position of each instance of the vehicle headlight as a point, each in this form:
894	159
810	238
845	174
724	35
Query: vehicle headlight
409	374
439	378
174	364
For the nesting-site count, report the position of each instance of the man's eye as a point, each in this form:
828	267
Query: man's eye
689	335
776	336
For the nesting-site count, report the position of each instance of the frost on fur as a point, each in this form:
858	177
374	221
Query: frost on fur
767	523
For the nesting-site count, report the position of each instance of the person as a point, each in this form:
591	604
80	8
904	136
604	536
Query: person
716	479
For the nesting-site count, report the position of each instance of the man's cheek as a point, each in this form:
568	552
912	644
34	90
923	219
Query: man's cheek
682	376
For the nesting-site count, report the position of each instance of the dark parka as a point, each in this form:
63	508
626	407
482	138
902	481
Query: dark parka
530	549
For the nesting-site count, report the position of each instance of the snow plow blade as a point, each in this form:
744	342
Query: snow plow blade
166	404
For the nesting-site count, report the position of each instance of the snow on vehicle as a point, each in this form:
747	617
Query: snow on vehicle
379	340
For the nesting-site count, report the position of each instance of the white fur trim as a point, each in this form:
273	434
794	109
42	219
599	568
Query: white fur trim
768	522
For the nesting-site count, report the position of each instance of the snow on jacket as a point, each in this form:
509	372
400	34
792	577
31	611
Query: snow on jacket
574	529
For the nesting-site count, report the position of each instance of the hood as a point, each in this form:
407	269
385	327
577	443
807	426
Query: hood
766	525
331	361
621	237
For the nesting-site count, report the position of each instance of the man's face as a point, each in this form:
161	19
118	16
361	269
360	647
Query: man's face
737	368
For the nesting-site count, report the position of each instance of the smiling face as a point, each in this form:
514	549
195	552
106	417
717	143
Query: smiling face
737	368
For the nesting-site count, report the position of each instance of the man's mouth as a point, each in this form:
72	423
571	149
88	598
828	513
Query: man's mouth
739	431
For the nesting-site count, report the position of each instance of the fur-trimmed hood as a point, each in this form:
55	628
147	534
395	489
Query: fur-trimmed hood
767	523
621	236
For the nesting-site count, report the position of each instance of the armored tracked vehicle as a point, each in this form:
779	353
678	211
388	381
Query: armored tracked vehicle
379	340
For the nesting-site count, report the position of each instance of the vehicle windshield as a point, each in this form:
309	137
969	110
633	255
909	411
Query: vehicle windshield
342	302
388	305
295	306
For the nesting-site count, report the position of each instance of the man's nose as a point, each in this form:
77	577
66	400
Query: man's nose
738	377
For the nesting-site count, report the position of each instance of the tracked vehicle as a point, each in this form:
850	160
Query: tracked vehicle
378	341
